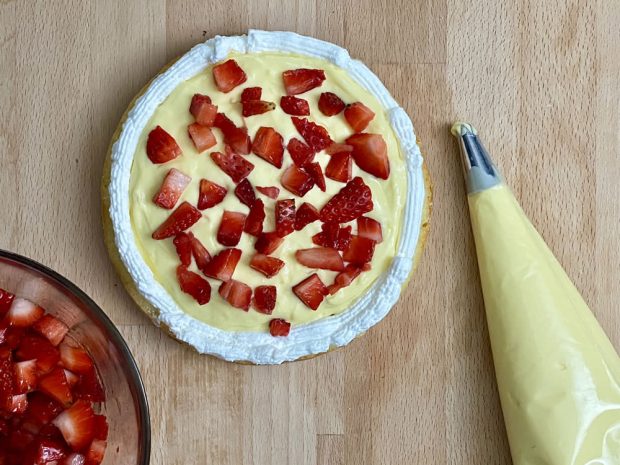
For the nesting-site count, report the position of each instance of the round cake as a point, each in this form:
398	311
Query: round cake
265	199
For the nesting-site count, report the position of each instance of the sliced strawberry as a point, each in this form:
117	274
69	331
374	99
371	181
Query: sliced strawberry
161	146
17	404
265	299
323	258
231	227
251	93
75	359
183	246
315	171
279	327
298	81
72	378
74	459
77	425
353	200
223	265
6	299
236	294
25	376
210	194
370	154
358	116
305	215
55	385
360	250
301	153
285	217
330	104
10	336
337	148
89	387
41	409
47	450
24	313
270	191
344	278
179	220
233	165
267	243
39	348
296	181
268	145
294	106
237	138
96	451
171	188
332	235
315	136
52	328
200	253
101	427
193	284
269	266
340	167
228	75
311	291
256	107
255	219
202	136
203	109
369	228
245	192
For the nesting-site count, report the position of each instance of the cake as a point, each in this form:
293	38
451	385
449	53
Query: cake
265	199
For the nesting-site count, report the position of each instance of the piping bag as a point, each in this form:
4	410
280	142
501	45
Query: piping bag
558	375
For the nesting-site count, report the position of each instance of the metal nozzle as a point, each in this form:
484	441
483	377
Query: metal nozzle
479	171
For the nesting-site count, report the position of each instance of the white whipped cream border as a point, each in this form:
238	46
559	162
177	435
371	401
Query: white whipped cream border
308	339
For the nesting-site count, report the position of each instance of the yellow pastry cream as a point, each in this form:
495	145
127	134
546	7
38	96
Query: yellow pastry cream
557	372
264	70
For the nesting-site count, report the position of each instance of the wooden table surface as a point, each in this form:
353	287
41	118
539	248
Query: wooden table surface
539	80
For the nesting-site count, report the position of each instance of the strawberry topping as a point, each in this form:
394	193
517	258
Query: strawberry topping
161	146
269	266
285	217
183	245
223	265
51	328
203	109
200	253
179	220
255	219
340	167
202	136
256	107
24	313
75	359
279	327
265	299
35	347
359	251
77	425
245	193
300	152
233	165
332	235
305	215
315	171
236	294
231	227
323	258
369	228
344	278
271	191
358	116
251	93
193	284
171	189
330	104
228	75
370	154
268	145
25	376
268	242
295	106
210	194
353	200
237	138
298	81
296	181
337	148
55	385
316	136
311	291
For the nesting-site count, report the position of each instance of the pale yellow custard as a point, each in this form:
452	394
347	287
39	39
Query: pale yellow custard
264	70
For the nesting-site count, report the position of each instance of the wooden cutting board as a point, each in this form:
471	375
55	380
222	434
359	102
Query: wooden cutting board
539	80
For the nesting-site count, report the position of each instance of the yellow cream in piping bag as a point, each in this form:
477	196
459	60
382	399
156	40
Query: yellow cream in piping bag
557	372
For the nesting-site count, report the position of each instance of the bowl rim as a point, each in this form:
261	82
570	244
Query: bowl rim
117	339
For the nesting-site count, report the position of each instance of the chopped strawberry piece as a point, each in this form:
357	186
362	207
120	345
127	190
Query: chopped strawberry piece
360	250
203	109
330	104
370	154
251	93
74	459
294	106
202	136
25	378
223	265
279	327
48	450
228	75
39	348
101	427
369	228
179	220
311	291
72	378
245	192
52	328
41	409
358	116
183	245
255	219
301	153
315	136
344	278
265	299
233	165
96	451
10	336
315	171
353	200
55	385
237	138
171	189
272	192
332	235
24	313
210	194
268	145
161	146
6	299
77	425
267	243
305	215
298	81
337	148
89	387
340	167
323	258
256	107
296	181
193	284
236	294
17	404
75	359
269	266
285	217
231	227
200	253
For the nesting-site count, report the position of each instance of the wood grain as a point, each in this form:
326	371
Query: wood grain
540	81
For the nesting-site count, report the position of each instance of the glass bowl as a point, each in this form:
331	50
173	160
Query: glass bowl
126	407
